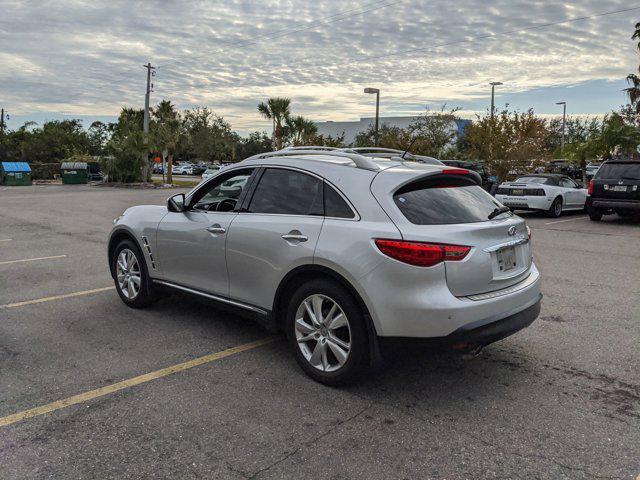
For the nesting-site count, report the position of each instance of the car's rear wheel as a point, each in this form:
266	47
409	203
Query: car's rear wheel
132	281
556	208
595	214
326	329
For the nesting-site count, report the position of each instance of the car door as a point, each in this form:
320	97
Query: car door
574	196
276	231
191	244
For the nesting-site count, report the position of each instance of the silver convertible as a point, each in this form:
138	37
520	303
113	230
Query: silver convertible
341	252
547	192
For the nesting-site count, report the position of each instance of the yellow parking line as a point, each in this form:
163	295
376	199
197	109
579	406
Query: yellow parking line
32	259
55	297
132	382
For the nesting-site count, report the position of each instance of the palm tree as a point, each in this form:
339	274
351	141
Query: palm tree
634	80
167	132
300	129
276	109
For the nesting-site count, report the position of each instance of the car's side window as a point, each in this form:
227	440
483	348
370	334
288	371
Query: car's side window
334	204
566	183
287	192
223	193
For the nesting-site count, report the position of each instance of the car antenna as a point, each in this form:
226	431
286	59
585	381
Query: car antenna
409	147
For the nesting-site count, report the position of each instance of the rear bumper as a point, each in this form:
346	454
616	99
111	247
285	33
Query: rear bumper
480	333
613	204
525	202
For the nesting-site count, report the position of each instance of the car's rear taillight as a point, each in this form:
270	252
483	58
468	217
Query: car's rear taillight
590	187
421	254
455	171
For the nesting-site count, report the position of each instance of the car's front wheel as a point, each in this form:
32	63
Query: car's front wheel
326	329
132	281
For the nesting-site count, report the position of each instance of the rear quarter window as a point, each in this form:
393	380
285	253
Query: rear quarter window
444	201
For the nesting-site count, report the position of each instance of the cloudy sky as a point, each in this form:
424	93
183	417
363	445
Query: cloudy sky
84	58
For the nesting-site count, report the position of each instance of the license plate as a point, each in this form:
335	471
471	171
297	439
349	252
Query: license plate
620	188
517	192
506	258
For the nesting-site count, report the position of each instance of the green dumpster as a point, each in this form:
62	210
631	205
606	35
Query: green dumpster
74	172
15	173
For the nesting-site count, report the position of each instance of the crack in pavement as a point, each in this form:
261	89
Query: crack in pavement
308	443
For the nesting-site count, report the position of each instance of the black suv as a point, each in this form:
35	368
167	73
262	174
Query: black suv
615	188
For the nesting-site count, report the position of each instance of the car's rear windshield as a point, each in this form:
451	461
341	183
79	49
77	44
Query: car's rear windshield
538	180
444	201
619	170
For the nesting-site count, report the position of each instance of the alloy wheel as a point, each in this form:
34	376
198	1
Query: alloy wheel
323	333
128	274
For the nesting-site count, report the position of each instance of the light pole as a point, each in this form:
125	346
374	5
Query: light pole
377	92
493	97
564	121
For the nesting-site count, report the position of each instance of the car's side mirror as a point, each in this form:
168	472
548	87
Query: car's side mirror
176	203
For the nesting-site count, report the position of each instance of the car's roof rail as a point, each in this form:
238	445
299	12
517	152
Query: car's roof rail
360	161
311	147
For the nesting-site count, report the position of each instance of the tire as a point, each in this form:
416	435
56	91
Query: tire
349	328
595	215
146	293
556	208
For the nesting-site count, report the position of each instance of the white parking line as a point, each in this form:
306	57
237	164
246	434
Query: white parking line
32	259
567	220
5	240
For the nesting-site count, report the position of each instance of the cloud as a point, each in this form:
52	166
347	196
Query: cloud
85	57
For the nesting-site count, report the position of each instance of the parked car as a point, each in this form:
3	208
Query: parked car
158	169
615	189
182	169
591	169
474	167
340	251
546	192
562	167
210	172
199	168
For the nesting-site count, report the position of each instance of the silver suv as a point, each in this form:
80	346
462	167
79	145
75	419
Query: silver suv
339	251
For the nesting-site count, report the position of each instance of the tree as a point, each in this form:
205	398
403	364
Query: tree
98	135
328	140
509	141
277	110
209	136
634	80
126	148
167	132
255	143
388	137
300	130
435	133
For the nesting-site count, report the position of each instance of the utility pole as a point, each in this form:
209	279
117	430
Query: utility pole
2	122
564	121
145	124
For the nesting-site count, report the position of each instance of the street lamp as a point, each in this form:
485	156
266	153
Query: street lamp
564	120
377	92
493	96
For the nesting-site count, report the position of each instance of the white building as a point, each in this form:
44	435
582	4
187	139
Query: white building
351	129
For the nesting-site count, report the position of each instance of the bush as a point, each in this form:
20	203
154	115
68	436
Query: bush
44	171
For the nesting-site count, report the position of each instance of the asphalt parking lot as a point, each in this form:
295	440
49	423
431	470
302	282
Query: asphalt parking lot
558	400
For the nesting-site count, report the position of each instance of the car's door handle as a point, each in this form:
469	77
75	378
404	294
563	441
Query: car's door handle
295	236
216	229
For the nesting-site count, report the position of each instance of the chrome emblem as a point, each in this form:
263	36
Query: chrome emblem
512	231
620	182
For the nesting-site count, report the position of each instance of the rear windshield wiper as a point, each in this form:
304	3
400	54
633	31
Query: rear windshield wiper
498	211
